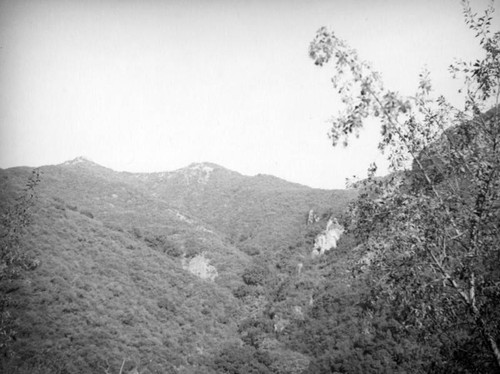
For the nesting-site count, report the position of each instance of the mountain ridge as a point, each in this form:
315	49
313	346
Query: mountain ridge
83	161
160	268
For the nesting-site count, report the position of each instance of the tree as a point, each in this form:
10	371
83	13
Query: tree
432	226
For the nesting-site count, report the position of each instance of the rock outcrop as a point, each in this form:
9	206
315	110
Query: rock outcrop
327	239
200	266
198	173
312	217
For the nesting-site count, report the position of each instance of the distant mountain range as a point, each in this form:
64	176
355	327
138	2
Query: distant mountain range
150	269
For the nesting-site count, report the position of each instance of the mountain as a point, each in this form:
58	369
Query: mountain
159	271
253	212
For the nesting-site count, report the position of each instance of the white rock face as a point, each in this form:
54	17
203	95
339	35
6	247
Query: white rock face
78	160
280	323
300	265
199	173
312	217
328	238
200	266
297	312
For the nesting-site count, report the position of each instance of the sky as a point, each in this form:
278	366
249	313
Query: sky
154	85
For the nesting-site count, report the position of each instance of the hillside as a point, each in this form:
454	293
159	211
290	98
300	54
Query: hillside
258	212
160	271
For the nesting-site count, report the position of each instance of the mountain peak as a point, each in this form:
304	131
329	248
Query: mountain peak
199	172
79	160
82	162
204	165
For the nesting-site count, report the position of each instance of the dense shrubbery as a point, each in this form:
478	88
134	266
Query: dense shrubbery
14	221
246	290
256	275
87	213
250	249
341	336
241	360
253	330
161	243
430	230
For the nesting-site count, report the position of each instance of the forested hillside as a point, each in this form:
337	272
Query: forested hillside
162	272
205	270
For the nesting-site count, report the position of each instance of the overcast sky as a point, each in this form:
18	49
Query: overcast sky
156	85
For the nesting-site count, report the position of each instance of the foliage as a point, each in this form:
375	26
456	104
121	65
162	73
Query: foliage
432	230
342	339
87	213
240	360
100	295
113	287
259	214
256	275
13	260
13	224
160	243
253	330
246	290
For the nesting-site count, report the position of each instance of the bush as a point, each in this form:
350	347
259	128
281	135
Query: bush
256	275
254	330
239	360
167	304
171	249
192	248
58	203
72	207
245	290
160	243
87	213
137	232
249	249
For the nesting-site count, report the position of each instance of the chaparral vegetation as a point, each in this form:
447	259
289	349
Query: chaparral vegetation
205	270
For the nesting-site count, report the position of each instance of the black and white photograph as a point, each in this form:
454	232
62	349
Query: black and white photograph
249	186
